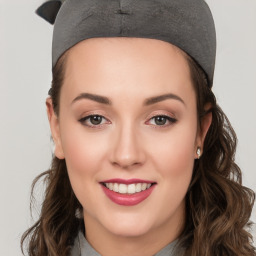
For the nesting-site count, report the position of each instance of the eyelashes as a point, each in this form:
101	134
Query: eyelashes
94	121
98	121
161	120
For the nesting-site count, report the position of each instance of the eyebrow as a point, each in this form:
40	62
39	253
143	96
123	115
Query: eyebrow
107	101
163	97
94	97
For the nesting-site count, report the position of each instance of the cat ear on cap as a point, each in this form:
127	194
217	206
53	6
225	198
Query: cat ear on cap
49	10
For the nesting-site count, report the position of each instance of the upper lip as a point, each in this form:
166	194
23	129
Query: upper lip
128	181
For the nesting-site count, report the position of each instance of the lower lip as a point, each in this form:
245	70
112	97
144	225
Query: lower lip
128	199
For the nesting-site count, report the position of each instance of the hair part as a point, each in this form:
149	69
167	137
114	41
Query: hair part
218	207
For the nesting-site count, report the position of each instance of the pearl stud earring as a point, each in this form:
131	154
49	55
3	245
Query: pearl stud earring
198	152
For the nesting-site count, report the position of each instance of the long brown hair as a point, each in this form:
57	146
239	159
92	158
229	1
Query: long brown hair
218	207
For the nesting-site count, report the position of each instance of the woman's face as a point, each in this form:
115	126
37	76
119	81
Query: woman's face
128	117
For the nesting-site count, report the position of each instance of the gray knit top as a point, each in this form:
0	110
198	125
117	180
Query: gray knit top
83	248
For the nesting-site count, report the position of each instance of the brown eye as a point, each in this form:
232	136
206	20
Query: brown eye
95	120
160	120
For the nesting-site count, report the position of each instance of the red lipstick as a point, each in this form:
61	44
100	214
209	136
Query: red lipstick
129	181
127	199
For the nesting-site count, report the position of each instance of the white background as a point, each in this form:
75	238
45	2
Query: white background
25	77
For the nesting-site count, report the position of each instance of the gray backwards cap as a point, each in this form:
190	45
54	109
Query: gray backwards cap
187	24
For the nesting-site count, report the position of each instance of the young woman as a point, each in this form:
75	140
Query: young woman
144	156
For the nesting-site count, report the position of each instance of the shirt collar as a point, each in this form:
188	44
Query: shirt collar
83	248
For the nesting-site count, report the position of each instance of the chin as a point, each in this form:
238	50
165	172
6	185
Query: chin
129	231
129	227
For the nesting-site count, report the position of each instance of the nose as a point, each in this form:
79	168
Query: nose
127	148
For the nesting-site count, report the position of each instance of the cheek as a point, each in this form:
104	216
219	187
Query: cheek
173	156
84	154
83	149
175	166
174	152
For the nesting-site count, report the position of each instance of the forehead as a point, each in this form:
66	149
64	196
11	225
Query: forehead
104	65
125	48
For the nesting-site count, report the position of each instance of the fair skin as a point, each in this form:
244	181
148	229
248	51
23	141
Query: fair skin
128	141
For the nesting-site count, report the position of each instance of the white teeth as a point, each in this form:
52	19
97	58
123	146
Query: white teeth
111	186
144	186
115	187
122	188
131	188
138	187
128	189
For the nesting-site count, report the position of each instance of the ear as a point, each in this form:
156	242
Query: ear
204	126
55	130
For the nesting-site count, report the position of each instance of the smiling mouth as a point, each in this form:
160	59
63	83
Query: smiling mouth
127	192
127	188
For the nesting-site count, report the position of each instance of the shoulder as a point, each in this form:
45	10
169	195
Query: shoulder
81	247
75	250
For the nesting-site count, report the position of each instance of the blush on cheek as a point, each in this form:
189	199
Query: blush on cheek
84	159
80	162
176	156
82	150
183	159
80	172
